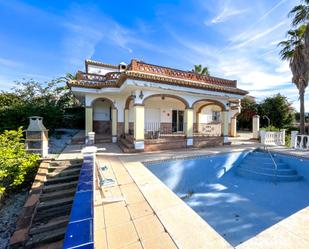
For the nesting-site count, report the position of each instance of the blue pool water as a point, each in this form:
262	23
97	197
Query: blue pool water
237	207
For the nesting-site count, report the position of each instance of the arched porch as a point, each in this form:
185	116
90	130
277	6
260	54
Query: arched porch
101	117
210	118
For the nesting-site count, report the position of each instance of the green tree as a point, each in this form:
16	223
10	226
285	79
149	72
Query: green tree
249	108
52	100
16	165
296	50
199	69
278	110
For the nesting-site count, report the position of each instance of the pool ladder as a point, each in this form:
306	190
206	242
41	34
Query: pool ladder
275	164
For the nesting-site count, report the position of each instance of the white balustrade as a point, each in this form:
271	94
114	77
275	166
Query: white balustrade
272	137
302	142
299	142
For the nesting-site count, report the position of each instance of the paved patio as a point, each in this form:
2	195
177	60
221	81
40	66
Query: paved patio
152	216
130	223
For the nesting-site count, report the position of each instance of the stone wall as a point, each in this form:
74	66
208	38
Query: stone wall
102	127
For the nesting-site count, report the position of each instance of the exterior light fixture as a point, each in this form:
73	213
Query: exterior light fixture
141	95
133	95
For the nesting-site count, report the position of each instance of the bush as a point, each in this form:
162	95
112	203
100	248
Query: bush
270	128
16	166
56	104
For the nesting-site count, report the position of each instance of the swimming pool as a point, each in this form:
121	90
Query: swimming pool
237	207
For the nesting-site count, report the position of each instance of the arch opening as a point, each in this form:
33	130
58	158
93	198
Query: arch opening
102	116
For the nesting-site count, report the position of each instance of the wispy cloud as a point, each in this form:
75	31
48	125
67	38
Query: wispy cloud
227	13
88	32
255	24
9	63
252	36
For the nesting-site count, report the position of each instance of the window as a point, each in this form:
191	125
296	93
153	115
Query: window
215	116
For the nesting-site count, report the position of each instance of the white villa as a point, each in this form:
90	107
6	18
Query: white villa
149	107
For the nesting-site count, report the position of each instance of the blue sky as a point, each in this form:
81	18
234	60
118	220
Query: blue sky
236	39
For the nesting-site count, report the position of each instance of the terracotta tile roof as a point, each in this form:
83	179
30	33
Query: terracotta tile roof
142	71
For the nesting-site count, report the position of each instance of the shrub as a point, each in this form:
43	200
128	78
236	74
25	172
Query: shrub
270	128
16	166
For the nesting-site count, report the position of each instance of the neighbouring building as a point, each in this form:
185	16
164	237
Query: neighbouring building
150	107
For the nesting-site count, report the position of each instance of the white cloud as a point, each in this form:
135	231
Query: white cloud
254	36
9	63
227	13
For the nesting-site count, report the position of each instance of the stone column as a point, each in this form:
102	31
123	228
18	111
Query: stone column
198	118
256	126
293	139
189	126
126	121
88	120
139	123
234	127
114	125
225	128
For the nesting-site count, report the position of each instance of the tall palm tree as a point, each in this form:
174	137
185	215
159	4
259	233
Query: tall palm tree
300	14
199	69
293	51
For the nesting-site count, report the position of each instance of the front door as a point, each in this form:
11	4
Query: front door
177	120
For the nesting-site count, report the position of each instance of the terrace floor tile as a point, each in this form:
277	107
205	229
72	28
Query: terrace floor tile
116	214
131	193
163	241
121	236
100	239
99	221
139	209
148	227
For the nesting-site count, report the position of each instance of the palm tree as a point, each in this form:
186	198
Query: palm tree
199	69
293	51
300	14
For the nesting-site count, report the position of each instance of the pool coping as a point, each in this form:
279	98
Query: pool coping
169	207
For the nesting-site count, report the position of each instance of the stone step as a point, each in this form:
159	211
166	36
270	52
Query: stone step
267	177
103	140
46	237
268	170
261	158
55	203
61	179
59	186
66	163
55	223
57	194
64	168
268	164
44	216
66	172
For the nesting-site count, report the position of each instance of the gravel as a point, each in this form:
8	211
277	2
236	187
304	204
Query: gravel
60	139
9	213
11	206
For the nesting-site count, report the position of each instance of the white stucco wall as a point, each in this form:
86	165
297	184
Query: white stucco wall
118	97
101	110
158	110
100	70
207	112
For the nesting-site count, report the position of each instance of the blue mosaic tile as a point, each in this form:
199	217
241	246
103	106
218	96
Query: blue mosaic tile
78	234
81	212
85	178
88	246
83	197
88	172
84	186
82	206
87	165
